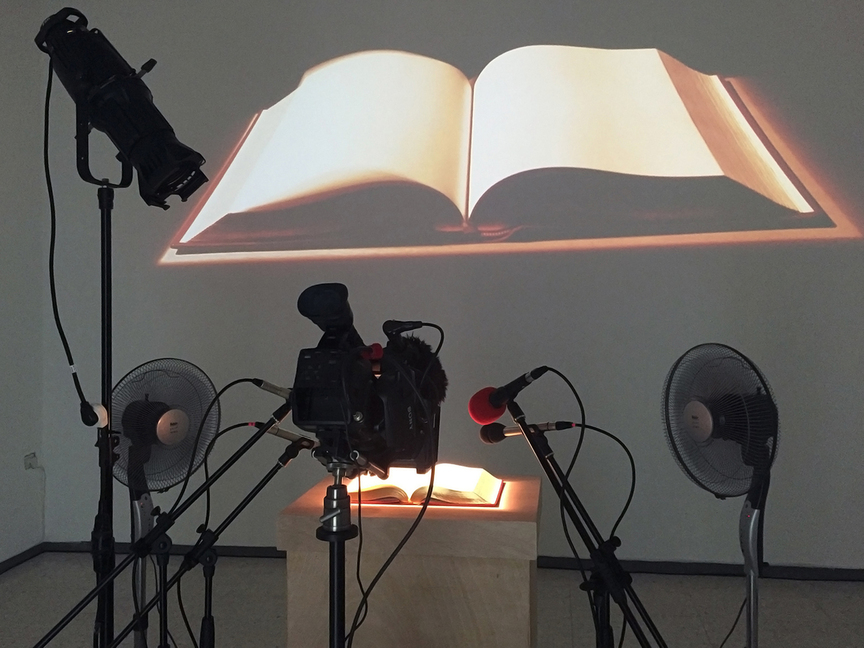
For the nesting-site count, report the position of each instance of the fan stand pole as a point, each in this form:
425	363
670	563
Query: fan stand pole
608	578
750	534
142	521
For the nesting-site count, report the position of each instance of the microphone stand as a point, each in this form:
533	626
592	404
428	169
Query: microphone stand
142	547
608	579
204	553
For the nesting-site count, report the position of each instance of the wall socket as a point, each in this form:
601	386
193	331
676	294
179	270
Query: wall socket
31	461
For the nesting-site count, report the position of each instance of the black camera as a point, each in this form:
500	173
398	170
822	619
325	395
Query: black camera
369	406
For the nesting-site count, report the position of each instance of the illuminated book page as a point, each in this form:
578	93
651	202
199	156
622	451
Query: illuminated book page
738	149
552	106
454	484
370	117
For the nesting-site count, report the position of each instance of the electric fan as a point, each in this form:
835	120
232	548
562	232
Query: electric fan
722	428
157	410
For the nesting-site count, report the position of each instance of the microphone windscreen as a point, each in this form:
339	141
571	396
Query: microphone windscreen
481	410
492	433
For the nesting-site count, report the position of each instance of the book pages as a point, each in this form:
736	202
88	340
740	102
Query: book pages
363	118
736	146
551	106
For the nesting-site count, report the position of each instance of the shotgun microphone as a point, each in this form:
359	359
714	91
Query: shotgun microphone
282	392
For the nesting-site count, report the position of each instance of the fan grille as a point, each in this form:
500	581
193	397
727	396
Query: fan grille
745	424
178	384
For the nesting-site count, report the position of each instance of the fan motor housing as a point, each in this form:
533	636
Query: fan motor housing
149	422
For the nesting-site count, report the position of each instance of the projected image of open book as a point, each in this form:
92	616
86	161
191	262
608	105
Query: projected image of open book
389	150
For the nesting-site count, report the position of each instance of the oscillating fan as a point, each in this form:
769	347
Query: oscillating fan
157	410
722	427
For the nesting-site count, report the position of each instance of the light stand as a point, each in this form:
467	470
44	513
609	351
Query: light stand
102	537
110	96
608	579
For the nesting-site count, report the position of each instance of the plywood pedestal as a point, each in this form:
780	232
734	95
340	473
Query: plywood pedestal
465	578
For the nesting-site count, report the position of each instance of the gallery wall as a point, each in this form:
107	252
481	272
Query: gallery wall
23	249
613	320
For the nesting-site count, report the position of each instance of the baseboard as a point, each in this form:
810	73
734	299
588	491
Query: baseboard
786	572
176	550
782	572
22	557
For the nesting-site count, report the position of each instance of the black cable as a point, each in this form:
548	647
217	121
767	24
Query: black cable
158	603
53	239
402	542
623	632
362	610
561	510
198	437
434	356
183	614
632	474
207	467
360	548
364	603
737	618
206	523
582	427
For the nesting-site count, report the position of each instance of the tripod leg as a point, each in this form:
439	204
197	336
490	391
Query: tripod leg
605	637
208	624
162	550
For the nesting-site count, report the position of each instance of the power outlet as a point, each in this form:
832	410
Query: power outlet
30	461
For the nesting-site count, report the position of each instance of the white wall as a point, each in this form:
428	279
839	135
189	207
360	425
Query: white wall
23	250
614	321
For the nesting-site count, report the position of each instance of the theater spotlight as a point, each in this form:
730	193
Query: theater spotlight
110	96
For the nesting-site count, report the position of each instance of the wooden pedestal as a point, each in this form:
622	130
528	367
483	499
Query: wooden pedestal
465	578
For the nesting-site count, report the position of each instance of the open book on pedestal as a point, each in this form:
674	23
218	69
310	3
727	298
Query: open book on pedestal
390	150
454	485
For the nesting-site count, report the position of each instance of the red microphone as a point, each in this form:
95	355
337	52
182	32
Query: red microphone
488	404
481	410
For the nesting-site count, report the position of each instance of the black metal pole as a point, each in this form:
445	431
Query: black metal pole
207	638
337	594
608	577
165	522
208	538
102	537
336	528
163	554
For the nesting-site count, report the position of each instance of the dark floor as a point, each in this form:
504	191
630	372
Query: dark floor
249	607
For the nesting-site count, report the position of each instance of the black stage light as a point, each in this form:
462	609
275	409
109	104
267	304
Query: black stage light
111	97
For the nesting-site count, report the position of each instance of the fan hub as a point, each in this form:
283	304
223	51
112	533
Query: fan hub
172	427
698	421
